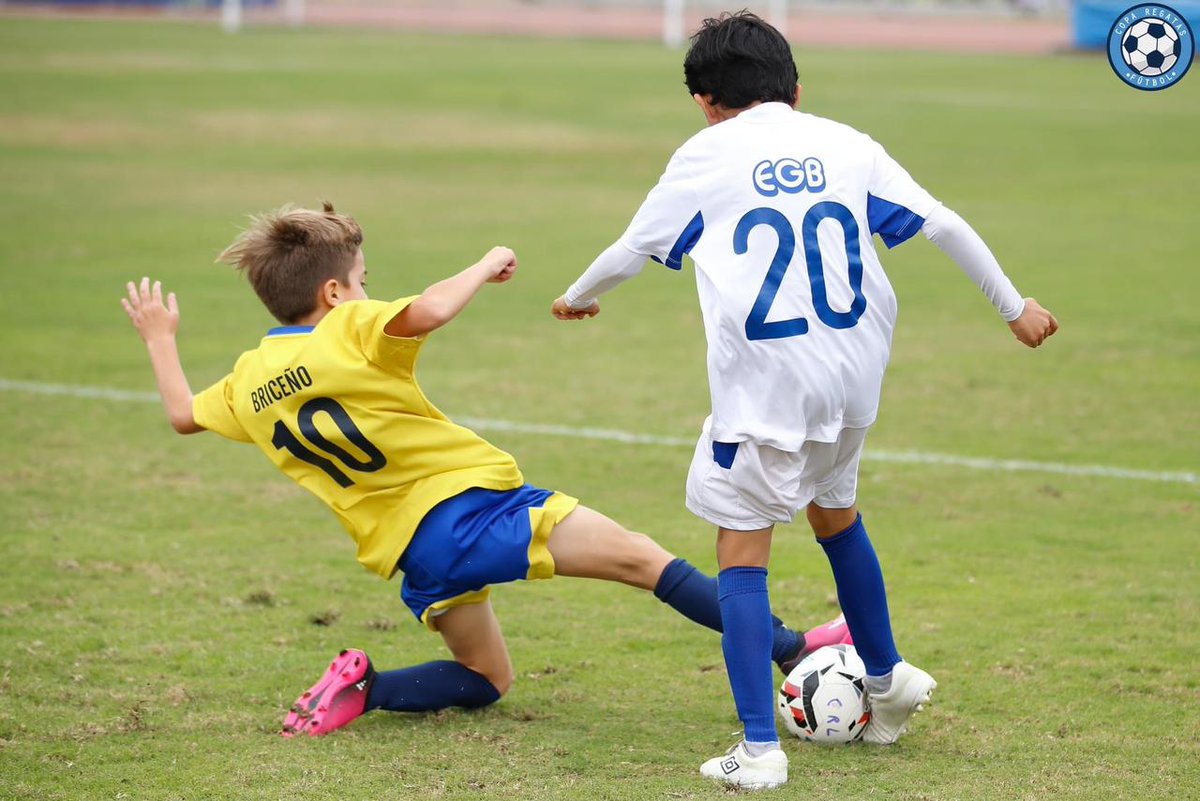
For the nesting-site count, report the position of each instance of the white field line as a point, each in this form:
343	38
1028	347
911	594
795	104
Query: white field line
629	438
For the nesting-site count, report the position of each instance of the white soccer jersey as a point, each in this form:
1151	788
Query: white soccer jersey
777	209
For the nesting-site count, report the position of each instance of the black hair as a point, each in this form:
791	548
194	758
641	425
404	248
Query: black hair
737	59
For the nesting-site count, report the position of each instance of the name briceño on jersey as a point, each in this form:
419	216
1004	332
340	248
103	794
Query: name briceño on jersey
281	386
789	175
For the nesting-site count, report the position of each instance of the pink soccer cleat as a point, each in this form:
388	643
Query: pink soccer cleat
835	632
338	698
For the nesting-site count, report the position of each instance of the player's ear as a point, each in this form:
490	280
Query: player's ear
706	105
796	96
331	293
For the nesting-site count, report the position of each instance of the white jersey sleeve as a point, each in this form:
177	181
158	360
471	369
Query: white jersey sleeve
669	222
958	240
611	268
897	206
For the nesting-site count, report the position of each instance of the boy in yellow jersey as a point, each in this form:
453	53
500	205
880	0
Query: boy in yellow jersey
331	397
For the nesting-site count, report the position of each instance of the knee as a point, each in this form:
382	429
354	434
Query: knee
642	560
502	681
499	674
828	522
743	548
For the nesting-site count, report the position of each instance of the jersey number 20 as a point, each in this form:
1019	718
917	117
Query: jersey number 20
284	439
757	326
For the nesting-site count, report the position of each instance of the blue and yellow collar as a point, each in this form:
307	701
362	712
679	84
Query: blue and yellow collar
285	330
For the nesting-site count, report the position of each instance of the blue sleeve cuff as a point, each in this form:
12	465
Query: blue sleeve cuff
894	223
687	240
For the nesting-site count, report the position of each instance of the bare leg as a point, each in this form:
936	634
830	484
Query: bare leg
828	522
472	633
589	545
744	548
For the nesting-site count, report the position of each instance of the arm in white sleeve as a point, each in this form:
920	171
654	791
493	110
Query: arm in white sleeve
614	266
958	240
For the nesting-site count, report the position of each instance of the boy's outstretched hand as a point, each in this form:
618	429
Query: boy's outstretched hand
1034	324
157	323
146	311
501	262
562	311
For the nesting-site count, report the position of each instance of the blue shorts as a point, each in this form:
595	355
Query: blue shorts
478	538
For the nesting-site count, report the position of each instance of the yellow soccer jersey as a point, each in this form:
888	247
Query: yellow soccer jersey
337	408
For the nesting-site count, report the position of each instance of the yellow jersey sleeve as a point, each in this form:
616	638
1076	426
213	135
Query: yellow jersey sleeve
213	410
394	354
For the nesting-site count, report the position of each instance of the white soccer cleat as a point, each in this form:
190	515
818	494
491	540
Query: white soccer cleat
911	689
740	769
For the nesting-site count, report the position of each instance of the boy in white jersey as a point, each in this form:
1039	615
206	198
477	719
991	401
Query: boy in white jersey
777	209
331	397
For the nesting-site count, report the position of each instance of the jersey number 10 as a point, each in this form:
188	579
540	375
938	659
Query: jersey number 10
284	439
757	326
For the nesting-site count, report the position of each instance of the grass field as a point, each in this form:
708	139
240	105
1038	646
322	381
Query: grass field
158	594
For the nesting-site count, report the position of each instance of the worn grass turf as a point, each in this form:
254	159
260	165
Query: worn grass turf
163	599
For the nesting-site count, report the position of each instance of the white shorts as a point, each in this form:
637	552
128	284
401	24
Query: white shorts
745	486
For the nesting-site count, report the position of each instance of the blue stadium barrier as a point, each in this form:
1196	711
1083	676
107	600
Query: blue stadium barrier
1093	19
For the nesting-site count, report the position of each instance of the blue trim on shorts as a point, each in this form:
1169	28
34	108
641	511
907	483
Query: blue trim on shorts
476	538
724	453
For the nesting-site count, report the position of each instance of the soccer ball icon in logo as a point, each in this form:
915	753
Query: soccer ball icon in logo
823	699
1150	48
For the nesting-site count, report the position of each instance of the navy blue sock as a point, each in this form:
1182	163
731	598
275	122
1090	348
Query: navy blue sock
694	595
863	596
746	616
429	687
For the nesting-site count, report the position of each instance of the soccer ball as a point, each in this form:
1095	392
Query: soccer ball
1150	48
823	699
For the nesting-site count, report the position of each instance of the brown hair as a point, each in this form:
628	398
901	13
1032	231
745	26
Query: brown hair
289	253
